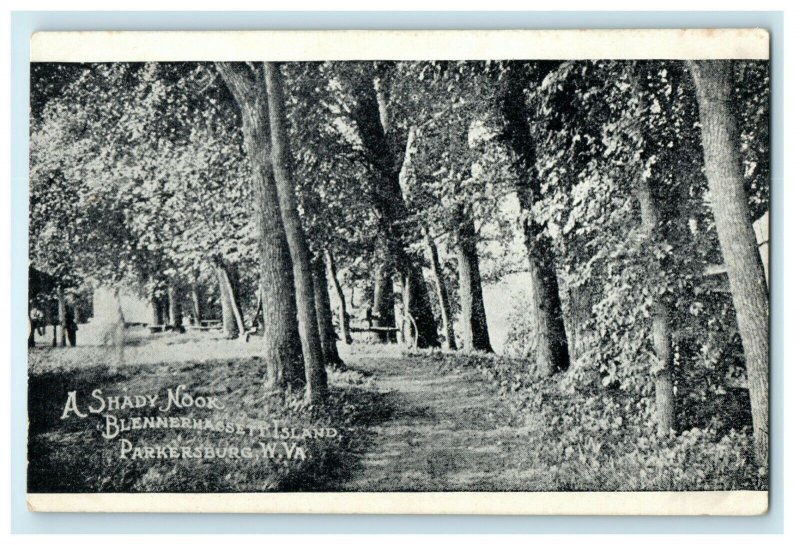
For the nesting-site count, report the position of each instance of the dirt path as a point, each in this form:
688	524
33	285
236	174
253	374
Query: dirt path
439	431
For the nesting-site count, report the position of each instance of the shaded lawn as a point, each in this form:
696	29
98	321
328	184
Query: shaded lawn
70	455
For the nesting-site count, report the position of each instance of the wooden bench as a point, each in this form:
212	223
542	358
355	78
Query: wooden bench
410	341
210	323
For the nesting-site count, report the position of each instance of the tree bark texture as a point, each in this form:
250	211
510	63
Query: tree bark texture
723	167
316	379
474	331
344	317
441	292
233	294
155	307
327	334
62	316
226	302
175	316
197	316
383	303
118	333
163	310
551	349
282	347
660	331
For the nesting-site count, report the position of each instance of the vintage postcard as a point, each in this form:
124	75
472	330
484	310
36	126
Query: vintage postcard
479	272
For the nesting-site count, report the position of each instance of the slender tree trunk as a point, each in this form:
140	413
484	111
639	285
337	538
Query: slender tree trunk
316	379
551	347
172	305
196	315
31	332
163	311
324	316
723	167
665	388
282	347
441	291
225	300
156	310
661	332
62	316
175	315
119	328
401	316
344	317
236	307
474	330
257	318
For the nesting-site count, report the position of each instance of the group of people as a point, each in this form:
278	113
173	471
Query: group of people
38	322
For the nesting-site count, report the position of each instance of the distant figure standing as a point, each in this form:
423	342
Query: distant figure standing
369	317
72	327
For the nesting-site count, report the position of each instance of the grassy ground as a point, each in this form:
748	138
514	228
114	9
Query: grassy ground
70	455
423	421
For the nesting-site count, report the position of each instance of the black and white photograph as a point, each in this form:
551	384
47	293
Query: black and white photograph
392	275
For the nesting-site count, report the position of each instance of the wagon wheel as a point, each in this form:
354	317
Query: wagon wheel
413	333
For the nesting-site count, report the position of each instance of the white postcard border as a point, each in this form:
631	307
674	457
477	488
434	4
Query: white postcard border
339	45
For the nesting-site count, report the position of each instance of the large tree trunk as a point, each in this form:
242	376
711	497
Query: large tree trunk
551	347
372	116
327	334
62	316
418	307
316	379
474	331
723	167
344	317
282	347
383	303
441	291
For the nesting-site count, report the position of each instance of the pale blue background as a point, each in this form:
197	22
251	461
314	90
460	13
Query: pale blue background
25	23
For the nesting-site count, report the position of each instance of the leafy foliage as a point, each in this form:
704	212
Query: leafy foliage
586	437
149	164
